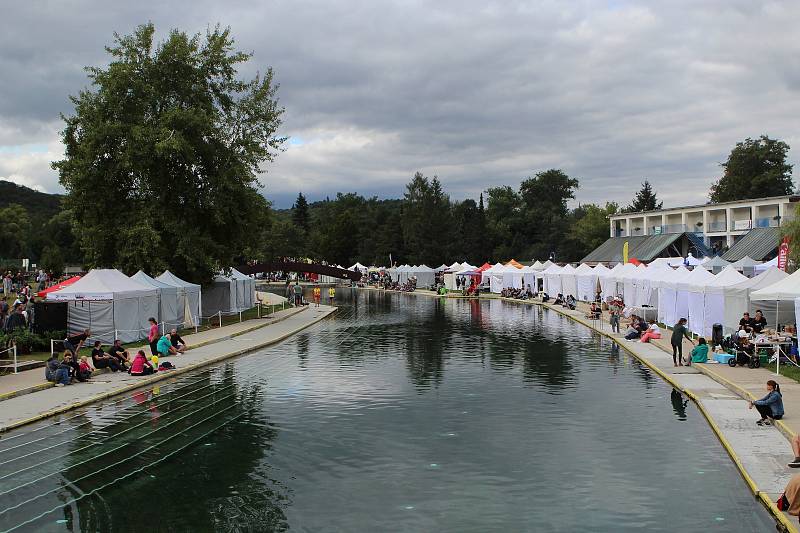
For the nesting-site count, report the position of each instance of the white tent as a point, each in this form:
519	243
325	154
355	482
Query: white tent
220	297
715	297
552	280
668	310
167	300
569	285
245	290
660	261
586	282
529	278
441	268
547	264
764	266
358	267
739	298
538	266
425	275
512	277
746	265
646	284
189	298
715	264
110	304
690	260
486	274
624	279
608	281
692	289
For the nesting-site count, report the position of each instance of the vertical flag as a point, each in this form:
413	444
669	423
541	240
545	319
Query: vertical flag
625	252
783	254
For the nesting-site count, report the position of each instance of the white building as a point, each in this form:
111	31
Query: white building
720	225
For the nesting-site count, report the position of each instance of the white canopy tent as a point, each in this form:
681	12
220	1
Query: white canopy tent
764	266
109	303
167	300
358	267
646	284
586	283
512	277
245	290
608	281
738	299
747	266
220	297
486	274
529	278
190	298
441	268
668	297
569	285
425	275
625	285
715	297
715	264
691	290
552	280
537	266
690	260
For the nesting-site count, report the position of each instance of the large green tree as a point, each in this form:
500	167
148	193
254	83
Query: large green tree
544	199
645	200
426	221
163	152
754	169
589	230
15	232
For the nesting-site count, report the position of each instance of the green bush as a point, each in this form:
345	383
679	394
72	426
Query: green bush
28	342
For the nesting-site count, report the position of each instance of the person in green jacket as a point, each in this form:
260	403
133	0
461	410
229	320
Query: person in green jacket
165	346
679	331
699	352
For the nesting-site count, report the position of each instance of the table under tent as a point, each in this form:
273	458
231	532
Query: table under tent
189	298
167	301
783	294
110	304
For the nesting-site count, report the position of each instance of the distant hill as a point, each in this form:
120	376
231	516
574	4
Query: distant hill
40	205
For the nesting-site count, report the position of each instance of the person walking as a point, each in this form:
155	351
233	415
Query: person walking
679	331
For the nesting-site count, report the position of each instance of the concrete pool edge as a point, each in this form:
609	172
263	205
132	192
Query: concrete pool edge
763	496
168	375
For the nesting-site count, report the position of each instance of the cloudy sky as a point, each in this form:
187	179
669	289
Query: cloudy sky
479	93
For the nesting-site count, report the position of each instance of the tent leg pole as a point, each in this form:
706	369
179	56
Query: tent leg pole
52	349
220	318
16	370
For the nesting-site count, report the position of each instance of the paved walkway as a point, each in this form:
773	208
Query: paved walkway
207	347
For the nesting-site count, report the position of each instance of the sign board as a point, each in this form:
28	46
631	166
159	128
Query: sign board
657	230
742	224
783	254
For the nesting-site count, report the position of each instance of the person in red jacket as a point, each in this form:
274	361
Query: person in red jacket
141	366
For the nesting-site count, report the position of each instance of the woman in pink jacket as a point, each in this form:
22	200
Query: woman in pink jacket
141	366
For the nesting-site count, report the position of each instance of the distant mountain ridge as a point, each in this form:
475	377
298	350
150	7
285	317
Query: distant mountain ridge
40	205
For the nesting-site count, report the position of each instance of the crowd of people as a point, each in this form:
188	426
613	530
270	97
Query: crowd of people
74	367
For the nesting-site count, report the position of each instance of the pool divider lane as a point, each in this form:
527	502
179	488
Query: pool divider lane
759	453
36	406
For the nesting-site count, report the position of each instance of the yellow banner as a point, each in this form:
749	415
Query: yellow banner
625	252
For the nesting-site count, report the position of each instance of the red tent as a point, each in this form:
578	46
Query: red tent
58	286
485	266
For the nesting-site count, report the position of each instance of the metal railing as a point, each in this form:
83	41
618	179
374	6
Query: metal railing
716	226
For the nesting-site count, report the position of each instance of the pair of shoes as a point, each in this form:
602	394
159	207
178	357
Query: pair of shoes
59	384
767	422
760	422
795	463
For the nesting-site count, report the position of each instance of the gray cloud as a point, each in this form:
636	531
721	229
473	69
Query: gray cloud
480	93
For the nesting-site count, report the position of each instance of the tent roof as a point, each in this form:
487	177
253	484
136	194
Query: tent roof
568	269
144	279
601	269
698	278
786	289
745	262
769	277
552	269
235	274
514	263
58	286
171	279
547	264
103	284
715	262
728	276
583	268
485	266
423	268
537	265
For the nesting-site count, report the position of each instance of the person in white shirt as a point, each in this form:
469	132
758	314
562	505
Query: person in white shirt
653	332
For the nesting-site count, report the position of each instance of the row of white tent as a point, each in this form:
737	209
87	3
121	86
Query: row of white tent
114	305
701	297
425	275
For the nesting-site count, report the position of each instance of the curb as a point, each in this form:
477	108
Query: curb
763	497
47	384
156	378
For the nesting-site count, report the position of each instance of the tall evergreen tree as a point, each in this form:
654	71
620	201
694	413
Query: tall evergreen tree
645	200
300	215
754	169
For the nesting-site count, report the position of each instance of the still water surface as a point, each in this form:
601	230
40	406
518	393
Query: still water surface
401	413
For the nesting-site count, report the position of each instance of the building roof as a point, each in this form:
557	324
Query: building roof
758	243
644	247
789	197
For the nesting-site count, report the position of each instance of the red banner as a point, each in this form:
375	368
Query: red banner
783	254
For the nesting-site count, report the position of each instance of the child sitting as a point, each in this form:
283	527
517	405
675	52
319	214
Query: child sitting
699	352
84	369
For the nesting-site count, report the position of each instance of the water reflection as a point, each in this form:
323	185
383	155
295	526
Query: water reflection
678	404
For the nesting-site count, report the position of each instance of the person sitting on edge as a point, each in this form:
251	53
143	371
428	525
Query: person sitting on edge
177	342
559	299
545	297
759	322
100	359
770	407
165	346
789	502
633	329
74	343
746	322
679	331
141	366
699	352
152	336
51	368
594	312
570	302
120	354
652	332
65	371
84	369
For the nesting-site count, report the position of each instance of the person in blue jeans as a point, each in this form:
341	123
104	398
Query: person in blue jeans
65	370
770	407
